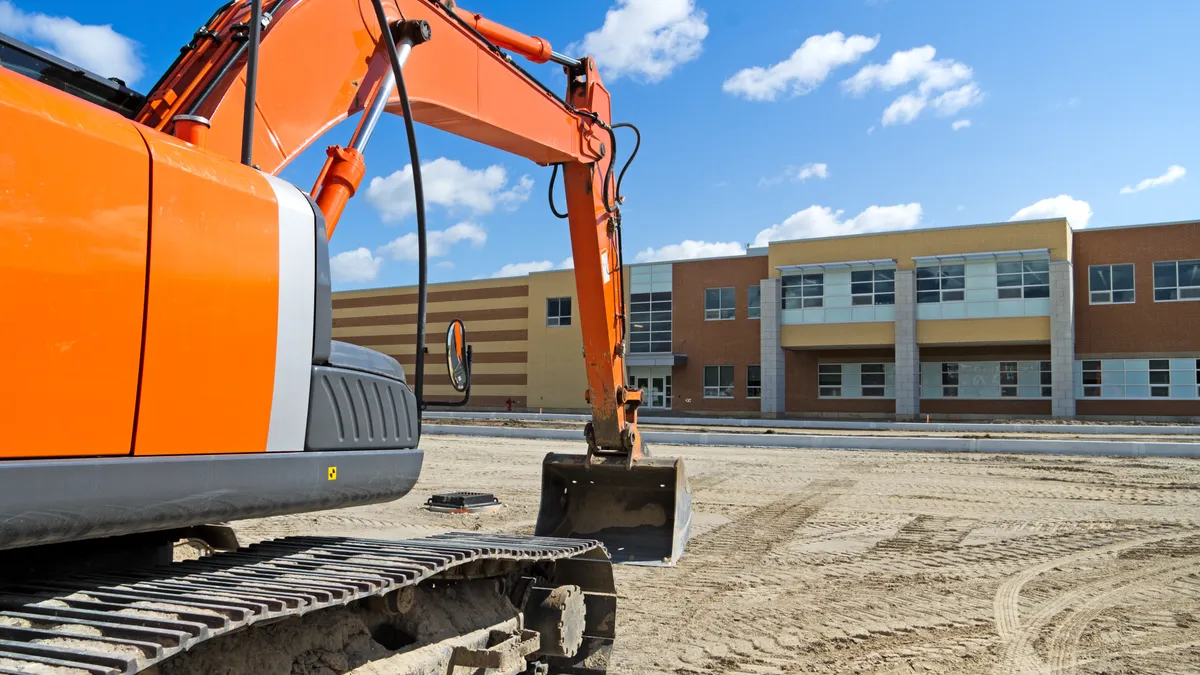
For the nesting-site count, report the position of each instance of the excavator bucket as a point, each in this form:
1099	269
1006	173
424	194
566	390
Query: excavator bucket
641	512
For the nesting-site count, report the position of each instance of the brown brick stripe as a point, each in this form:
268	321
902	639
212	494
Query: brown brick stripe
466	315
434	296
473	337
481	402
435	377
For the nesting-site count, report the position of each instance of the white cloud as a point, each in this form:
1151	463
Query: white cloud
354	266
438	242
821	221
97	48
523	268
1174	173
646	39
691	249
448	184
960	124
568	264
798	174
1076	211
944	86
904	109
801	72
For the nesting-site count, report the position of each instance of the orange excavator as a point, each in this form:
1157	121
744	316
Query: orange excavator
169	362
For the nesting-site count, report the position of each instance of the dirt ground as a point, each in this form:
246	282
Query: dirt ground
838	561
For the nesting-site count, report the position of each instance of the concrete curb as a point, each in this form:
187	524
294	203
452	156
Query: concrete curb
647	420
825	442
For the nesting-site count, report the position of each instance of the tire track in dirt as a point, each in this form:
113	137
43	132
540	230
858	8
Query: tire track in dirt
1018	654
927	533
1062	651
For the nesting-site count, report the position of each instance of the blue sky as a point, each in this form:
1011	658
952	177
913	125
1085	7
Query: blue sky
772	119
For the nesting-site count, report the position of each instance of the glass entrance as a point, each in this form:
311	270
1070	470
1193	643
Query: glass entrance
658	391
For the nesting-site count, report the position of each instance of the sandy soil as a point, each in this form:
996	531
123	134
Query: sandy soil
836	561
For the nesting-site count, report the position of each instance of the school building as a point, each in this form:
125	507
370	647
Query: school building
1029	319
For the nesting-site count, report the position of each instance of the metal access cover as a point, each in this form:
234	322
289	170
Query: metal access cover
463	502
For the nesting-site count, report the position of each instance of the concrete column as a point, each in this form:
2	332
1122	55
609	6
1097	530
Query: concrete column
1062	338
908	361
771	358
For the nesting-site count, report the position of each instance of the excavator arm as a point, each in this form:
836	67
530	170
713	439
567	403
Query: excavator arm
322	61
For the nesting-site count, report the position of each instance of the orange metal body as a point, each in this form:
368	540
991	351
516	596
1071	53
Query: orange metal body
210	223
75	270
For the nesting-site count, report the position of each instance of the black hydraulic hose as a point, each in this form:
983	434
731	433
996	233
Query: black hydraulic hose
553	209
419	192
254	40
636	146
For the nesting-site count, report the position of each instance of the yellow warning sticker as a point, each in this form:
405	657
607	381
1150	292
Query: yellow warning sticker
333	473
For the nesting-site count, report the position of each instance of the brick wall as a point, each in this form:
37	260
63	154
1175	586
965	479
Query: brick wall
713	343
1146	326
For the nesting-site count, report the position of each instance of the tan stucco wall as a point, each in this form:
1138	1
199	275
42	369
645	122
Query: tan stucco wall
1016	329
556	373
902	246
867	334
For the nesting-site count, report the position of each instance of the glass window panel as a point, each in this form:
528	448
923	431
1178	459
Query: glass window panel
927	272
871	368
1037	265
929	296
813	302
829	379
830	391
950	392
1091	377
1160	364
1122	277
1160	377
1160	391
1037	278
1007	293
639	297
659	347
1008	268
830	368
856	277
1037	291
1190	292
1164	294
711	376
861	287
1189	273
1101	297
872	379
1164	275
712	298
1099	278
952	296
885	298
1122	296
953	270
885	287
1008	279
885	275
861	300
754	376
928	284
662	295
872	391
953	283
728	297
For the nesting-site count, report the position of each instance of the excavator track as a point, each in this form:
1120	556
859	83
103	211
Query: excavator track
113	624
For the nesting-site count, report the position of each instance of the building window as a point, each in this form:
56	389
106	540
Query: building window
950	380
650	323
558	311
1177	280
1023	279
753	302
1111	284
803	291
941	283
871	379
718	381
873	287
1160	378
1008	378
753	382
829	380
1092	379
719	303
1047	390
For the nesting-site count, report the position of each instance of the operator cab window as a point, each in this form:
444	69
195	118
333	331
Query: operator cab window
65	76
558	311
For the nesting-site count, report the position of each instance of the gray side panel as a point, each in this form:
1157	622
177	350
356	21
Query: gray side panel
323	309
58	500
352	410
354	357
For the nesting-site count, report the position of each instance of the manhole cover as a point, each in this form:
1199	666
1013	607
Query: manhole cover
462	502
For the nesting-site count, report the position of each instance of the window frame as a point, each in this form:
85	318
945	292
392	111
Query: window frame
881	374
949	386
557	317
1046	378
961	291
721	309
1177	287
653	326
801	298
754	309
1111	290
830	370
878	276
1025	274
750	387
730	387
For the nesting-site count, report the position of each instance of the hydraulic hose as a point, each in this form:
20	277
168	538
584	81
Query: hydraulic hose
419	192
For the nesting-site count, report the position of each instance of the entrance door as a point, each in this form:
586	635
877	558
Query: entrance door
658	393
